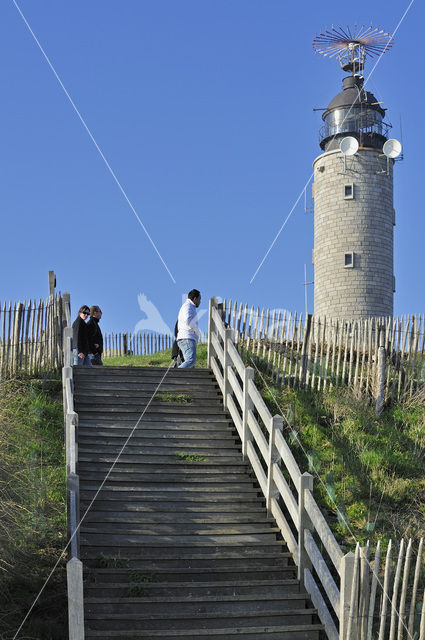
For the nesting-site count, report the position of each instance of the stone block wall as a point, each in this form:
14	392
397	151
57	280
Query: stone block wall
358	227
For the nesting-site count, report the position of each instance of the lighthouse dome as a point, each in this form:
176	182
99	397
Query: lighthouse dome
353	112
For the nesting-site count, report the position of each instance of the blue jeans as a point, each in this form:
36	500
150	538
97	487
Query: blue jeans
81	362
188	348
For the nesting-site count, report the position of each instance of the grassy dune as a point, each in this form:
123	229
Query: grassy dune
369	472
32	508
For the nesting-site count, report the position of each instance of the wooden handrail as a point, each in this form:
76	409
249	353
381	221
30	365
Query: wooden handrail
74	566
275	452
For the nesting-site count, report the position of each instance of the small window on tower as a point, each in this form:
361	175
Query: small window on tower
349	191
349	260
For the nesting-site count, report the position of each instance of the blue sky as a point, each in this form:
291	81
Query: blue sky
204	111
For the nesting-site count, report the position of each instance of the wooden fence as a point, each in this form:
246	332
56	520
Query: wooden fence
382	356
138	344
31	334
356	598
74	567
386	602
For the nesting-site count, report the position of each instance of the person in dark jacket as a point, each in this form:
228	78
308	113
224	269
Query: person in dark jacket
80	338
176	353
95	335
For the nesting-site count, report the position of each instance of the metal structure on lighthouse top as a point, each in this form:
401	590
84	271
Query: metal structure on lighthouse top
353	47
354	111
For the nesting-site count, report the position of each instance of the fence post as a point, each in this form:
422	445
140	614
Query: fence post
212	305
346	573
228	333
380	378
52	283
304	350
66	302
276	424
16	332
304	523
247	406
74	576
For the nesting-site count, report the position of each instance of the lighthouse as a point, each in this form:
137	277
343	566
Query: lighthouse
354	213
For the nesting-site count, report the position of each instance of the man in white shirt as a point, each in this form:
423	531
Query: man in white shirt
187	329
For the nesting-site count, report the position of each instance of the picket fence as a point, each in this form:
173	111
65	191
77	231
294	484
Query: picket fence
357	596
138	344
381	356
31	334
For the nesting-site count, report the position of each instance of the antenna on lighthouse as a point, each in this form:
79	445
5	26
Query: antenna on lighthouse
352	47
392	149
348	147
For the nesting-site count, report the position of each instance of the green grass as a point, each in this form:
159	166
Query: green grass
179	398
103	561
190	457
160	359
371	469
32	508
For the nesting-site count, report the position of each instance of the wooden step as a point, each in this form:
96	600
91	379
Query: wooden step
275	632
178	530
180	553
181	606
111	390
229	573
145	479
209	562
132	587
195	505
162	517
99	618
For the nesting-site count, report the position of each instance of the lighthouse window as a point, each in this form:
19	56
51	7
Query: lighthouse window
349	191
349	260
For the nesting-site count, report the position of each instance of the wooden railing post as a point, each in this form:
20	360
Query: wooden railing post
71	426
380	377
276	424
346	587
74	575
73	488
212	305
67	347
304	523
247	406
66	375
228	333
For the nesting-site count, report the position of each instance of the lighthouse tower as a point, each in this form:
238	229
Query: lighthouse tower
353	189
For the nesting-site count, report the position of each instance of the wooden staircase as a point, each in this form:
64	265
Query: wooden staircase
177	544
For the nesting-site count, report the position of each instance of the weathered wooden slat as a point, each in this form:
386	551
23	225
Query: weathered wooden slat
364	590
385	593
372	599
297	370
402	606
415	588
287	350
394	598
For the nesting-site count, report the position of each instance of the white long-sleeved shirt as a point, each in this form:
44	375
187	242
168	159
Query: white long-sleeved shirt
188	322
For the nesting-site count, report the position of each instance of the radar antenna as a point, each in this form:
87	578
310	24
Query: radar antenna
352	47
